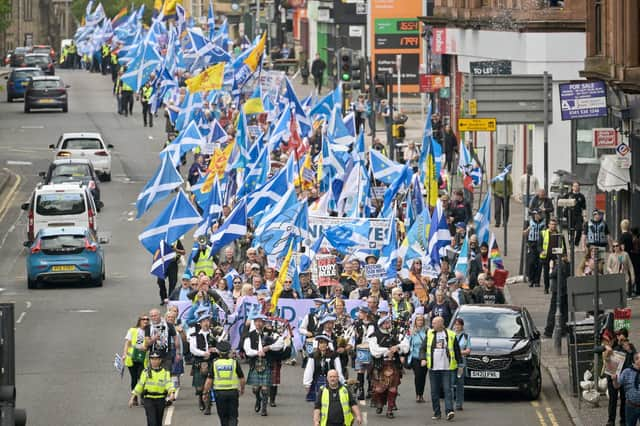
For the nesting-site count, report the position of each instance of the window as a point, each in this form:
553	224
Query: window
28	10
597	19
585	152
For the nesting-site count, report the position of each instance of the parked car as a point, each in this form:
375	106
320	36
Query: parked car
7	58
41	60
505	349
67	170
17	57
69	204
65	254
18	80
86	145
46	49
46	92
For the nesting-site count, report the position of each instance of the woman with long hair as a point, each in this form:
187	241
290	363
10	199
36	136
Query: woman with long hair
416	353
135	351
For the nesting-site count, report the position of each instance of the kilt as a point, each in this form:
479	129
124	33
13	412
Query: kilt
260	378
386	377
199	377
276	366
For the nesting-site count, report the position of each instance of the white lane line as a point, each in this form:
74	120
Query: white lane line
168	417
83	311
20	318
32	127
19	163
28	303
365	418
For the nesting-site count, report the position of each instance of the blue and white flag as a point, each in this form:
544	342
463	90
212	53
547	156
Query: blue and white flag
288	202
269	193
349	237
462	263
165	180
384	169
173	222
502	176
256	173
217	134
483	218
338	131
211	21
161	260
281	131
291	225
234	227
300	115
439	235
324	107
139	70
401	182
389	253
188	140
212	210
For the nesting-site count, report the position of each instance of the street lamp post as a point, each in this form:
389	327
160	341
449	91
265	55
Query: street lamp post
557	330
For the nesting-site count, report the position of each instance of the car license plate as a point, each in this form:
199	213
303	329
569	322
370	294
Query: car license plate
484	374
63	268
46	101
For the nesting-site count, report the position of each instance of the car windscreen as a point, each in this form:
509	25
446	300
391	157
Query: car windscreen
505	325
54	242
70	172
21	75
36	60
42	50
47	84
81	144
58	204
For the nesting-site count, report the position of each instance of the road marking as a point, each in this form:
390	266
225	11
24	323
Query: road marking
28	303
552	417
365	417
31	127
20	318
541	418
168	417
19	163
536	404
83	311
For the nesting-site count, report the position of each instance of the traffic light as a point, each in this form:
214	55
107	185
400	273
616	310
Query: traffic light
345	57
381	86
359	74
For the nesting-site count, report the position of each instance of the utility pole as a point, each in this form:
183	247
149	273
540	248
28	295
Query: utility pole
388	81
546	131
372	101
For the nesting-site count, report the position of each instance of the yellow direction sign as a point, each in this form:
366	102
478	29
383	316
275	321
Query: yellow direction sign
477	124
473	107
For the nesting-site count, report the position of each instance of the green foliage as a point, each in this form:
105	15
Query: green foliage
111	7
5	14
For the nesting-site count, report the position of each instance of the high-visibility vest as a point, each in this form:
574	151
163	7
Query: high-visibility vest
146	93
204	264
225	375
545	243
398	308
451	338
128	361
344	401
72	49
154	384
114	58
105	50
126	87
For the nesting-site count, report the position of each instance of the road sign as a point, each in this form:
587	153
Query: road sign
473	107
605	138
623	155
477	124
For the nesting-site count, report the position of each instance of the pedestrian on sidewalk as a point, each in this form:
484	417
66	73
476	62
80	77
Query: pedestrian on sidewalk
317	71
620	343
450	148
576	213
416	353
543	204
502	191
635	255
533	232
619	262
587	266
551	238
597	231
534	184
629	380
560	280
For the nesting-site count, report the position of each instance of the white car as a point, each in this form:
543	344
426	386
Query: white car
89	146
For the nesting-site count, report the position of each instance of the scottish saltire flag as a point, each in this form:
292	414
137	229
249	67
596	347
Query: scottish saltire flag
415	198
483	218
462	264
465	162
188	140
268	194
350	123
165	180
294	270
338	131
324	107
306	259
389	253
349	237
161	260
242	142
384	169
502	176
291	225
416	243
439	235
288	202
281	131
402	181
173	222
139	70
298	111
348	201
234	227
191	103
212	209
256	173
211	21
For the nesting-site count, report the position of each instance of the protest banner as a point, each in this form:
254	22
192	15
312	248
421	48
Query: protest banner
374	271
378	234
327	272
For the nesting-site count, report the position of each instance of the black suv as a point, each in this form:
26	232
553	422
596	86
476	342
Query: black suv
505	349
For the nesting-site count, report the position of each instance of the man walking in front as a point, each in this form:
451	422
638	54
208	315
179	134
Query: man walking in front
442	359
317	71
335	405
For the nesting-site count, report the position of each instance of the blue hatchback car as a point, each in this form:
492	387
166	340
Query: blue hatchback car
65	255
18	80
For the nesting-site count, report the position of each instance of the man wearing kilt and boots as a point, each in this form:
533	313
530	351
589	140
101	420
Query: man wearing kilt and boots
386	348
202	345
256	346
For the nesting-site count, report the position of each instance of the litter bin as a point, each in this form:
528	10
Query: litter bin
580	351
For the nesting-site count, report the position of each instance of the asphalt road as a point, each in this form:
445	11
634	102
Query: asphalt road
66	337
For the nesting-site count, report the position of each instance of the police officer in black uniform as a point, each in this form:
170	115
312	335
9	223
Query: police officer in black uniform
533	233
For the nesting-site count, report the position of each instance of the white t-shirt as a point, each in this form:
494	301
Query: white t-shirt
440	358
139	338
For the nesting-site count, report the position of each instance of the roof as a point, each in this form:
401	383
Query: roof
485	308
67	186
62	230
80	135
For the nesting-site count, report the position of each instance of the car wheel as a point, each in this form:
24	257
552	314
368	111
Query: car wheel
26	108
65	108
98	282
106	177
32	284
535	386
9	98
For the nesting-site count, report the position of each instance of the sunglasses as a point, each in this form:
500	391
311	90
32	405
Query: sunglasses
144	319
288	281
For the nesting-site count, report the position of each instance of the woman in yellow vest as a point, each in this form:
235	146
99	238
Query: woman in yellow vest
330	395
135	351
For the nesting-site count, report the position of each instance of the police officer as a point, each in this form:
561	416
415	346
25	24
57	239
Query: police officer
106	54
597	230
145	99
201	257
227	379
533	233
550	239
576	212
154	386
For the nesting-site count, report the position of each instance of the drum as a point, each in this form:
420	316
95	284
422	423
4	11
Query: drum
308	345
363	356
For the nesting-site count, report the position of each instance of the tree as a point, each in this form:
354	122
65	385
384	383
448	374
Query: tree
5	15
